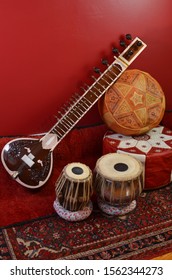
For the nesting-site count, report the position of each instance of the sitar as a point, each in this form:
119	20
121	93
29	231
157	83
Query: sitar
30	160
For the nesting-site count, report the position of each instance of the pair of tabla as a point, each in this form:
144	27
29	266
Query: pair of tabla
117	180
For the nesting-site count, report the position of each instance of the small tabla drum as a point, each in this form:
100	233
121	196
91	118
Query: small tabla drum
74	190
118	181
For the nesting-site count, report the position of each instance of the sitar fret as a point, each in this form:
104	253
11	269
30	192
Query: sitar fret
61	128
65	124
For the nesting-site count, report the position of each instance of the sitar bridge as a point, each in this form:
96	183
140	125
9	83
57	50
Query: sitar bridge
28	159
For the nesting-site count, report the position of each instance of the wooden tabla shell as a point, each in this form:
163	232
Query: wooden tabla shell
118	179
74	186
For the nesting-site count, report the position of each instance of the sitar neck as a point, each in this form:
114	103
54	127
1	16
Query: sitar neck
80	105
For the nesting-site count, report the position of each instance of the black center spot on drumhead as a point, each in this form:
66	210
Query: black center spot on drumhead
121	167
77	170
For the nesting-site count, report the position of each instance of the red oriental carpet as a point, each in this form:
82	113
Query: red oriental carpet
142	234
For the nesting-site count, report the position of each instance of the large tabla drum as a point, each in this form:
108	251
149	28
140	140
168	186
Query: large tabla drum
74	186
118	182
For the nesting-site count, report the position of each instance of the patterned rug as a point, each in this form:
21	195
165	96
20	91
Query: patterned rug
142	234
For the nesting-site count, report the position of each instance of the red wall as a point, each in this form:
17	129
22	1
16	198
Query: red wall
49	47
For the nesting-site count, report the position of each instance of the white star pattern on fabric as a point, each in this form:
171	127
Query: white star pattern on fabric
154	138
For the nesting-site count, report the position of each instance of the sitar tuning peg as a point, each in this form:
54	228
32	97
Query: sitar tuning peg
85	87
123	44
105	62
59	113
130	52
139	43
128	37
56	117
115	50
97	70
76	96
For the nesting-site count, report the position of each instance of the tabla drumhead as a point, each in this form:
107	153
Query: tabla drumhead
118	167
77	171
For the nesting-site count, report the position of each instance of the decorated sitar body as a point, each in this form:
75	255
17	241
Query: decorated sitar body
30	161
